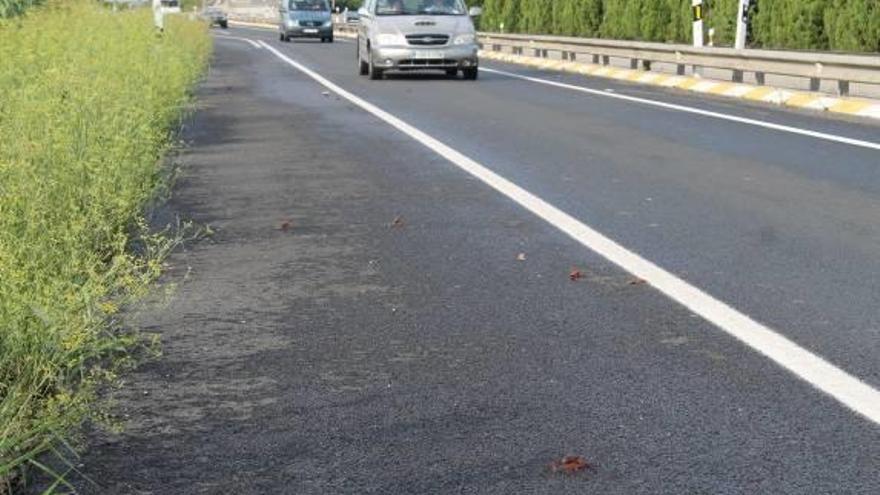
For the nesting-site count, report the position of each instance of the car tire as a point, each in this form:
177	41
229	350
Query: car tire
363	67
330	39
471	73
451	72
374	72
280	36
224	24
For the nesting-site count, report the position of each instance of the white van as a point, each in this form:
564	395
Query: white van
417	35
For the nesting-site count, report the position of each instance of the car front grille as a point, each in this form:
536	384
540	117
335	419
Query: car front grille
427	39
417	63
311	23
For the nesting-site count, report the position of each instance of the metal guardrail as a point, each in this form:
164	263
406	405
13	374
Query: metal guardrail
842	68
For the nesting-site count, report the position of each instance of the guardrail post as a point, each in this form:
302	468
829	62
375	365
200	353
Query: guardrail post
843	88
646	65
737	76
606	60
634	63
815	84
759	77
596	59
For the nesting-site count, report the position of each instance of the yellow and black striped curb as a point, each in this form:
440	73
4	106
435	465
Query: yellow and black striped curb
790	98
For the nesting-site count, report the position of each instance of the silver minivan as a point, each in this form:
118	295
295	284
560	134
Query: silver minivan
305	19
417	35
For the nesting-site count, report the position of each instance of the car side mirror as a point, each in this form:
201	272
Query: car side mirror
475	11
363	12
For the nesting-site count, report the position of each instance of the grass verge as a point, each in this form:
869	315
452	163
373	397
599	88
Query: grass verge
89	102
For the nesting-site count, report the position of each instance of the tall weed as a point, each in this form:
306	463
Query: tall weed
89	102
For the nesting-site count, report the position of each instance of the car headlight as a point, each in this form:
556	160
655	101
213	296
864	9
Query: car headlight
328	23
390	39
465	39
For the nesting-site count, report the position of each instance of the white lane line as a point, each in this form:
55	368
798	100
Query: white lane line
230	37
847	389
697	111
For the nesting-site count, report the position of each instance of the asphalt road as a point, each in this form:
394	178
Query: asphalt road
350	353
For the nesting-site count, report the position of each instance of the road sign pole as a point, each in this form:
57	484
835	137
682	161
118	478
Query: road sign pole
742	24
698	22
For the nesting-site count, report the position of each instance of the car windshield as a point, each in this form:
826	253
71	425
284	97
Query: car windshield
312	5
420	7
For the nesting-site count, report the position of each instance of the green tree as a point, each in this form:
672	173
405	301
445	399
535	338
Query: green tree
510	15
612	19
721	17
798	24
655	17
679	29
563	22
853	25
489	20
577	17
848	25
537	16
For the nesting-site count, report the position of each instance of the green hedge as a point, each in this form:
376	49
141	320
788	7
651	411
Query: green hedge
844	25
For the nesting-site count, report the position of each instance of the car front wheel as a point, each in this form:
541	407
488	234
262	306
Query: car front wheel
374	72
363	67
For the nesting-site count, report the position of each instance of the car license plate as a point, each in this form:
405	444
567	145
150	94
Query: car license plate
310	31
423	54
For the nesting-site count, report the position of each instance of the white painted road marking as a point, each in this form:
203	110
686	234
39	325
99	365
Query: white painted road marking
847	389
230	37
697	111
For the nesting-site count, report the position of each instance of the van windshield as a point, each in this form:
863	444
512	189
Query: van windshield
420	7
311	5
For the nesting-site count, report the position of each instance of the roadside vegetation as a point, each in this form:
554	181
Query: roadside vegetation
9	8
89	102
842	25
